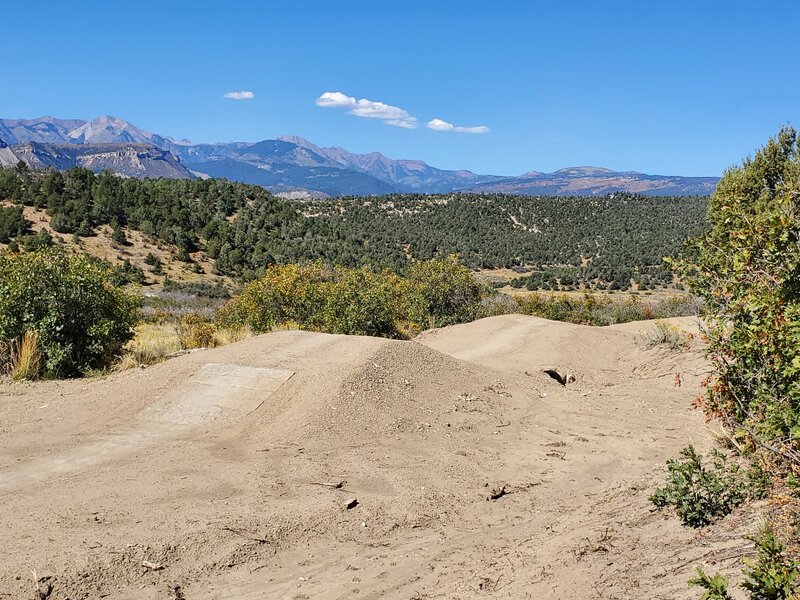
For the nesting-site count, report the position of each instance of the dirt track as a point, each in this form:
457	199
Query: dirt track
97	477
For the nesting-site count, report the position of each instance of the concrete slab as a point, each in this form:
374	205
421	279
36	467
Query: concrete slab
217	392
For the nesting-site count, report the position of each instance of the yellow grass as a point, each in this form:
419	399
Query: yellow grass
154	343
25	357
151	344
227	335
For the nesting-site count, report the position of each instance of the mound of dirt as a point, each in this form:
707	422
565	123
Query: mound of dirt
305	465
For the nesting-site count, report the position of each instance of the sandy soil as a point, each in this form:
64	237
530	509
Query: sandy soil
227	486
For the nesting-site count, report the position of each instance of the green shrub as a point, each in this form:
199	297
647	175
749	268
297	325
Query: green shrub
82	320
285	293
703	493
773	575
589	309
363	302
442	292
356	301
746	269
195	332
604	309
715	586
12	223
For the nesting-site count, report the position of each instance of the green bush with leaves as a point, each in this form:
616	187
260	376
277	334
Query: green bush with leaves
599	309
81	318
773	575
285	293
12	223
443	292
746	269
702	493
364	302
715	586
357	301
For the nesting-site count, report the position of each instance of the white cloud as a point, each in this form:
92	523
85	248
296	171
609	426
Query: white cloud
369	109
243	95
440	125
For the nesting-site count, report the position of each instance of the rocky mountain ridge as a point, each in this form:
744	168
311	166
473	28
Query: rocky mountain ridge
292	164
126	160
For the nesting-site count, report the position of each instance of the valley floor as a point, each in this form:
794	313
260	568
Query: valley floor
301	465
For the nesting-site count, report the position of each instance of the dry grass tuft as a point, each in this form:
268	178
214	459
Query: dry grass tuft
664	334
288	326
152	344
155	342
25	357
228	335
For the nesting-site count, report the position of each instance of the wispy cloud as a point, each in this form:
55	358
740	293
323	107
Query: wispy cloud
369	109
440	125
243	95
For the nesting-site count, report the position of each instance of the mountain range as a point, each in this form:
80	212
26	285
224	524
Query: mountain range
294	166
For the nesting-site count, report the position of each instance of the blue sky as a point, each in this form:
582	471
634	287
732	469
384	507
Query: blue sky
668	87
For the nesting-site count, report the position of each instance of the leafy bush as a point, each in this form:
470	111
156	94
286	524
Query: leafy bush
746	269
773	575
285	293
82	320
601	309
701	494
363	302
357	301
715	586
195	332
442	292
12	223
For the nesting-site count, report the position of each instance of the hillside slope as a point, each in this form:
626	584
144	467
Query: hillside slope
233	493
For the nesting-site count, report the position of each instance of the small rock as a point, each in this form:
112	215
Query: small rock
153	566
351	503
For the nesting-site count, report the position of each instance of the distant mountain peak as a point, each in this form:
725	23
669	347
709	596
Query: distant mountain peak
183	142
586	171
109	129
296	140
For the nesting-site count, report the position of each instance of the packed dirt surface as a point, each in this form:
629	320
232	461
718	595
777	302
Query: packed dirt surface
303	465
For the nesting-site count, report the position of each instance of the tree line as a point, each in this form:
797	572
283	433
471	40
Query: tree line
565	242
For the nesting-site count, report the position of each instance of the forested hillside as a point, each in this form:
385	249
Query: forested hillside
573	240
565	242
